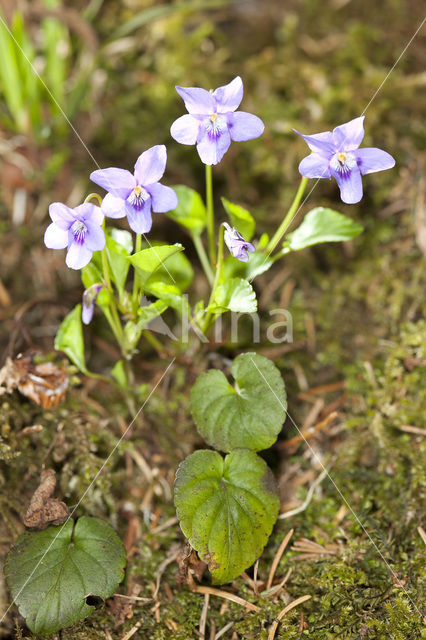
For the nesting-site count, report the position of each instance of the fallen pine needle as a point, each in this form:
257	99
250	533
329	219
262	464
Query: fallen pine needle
293	512
422	533
132	631
277	558
203	618
224	594
280	616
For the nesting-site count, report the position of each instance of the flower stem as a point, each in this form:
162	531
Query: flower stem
199	247
138	247
217	280
210	212
94	196
280	232
114	319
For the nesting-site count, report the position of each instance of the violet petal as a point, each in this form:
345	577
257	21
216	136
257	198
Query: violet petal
95	237
163	198
244	126
55	237
78	256
113	206
314	166
212	149
197	100
119	182
371	160
229	96
349	136
140	220
350	185
185	129
319	142
62	215
150	165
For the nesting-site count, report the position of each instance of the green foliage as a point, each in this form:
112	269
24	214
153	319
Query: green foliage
227	508
69	338
321	225
191	212
50	573
249	414
234	295
147	261
240	218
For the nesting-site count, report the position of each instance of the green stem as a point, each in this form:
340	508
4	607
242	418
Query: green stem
96	196
210	212
135	297
153	342
279	234
199	247
217	280
114	319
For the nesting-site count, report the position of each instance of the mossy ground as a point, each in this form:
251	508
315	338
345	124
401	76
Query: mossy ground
358	321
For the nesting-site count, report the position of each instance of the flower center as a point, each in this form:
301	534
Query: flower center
138	196
343	162
215	125
79	230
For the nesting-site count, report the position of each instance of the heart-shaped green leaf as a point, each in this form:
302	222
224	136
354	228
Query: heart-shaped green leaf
240	218
235	295
191	211
69	338
50	573
227	508
322	225
249	414
147	261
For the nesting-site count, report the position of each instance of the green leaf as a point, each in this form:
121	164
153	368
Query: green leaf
123	237
69	338
322	225
257	264
177	272
249	414
191	212
50	573
119	374
236	295
133	330
118	261
147	261
240	218
227	508
170	294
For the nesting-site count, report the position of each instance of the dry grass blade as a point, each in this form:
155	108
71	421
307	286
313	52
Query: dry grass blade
304	505
224	594
203	617
278	557
422	533
280	616
132	631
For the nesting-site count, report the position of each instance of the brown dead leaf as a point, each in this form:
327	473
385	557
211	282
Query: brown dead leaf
189	563
45	383
45	510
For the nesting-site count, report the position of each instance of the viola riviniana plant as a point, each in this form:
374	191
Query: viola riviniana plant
237	423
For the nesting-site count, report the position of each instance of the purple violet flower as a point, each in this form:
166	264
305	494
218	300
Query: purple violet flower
79	229
212	120
336	154
89	299
236	243
133	195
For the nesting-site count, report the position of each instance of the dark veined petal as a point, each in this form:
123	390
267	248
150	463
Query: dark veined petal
350	185
119	182
140	220
371	160
314	166
197	100
229	96
113	206
163	198
55	237
319	142
78	256
89	212
150	165
349	136
95	237
62	215
244	126
185	129
211	149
